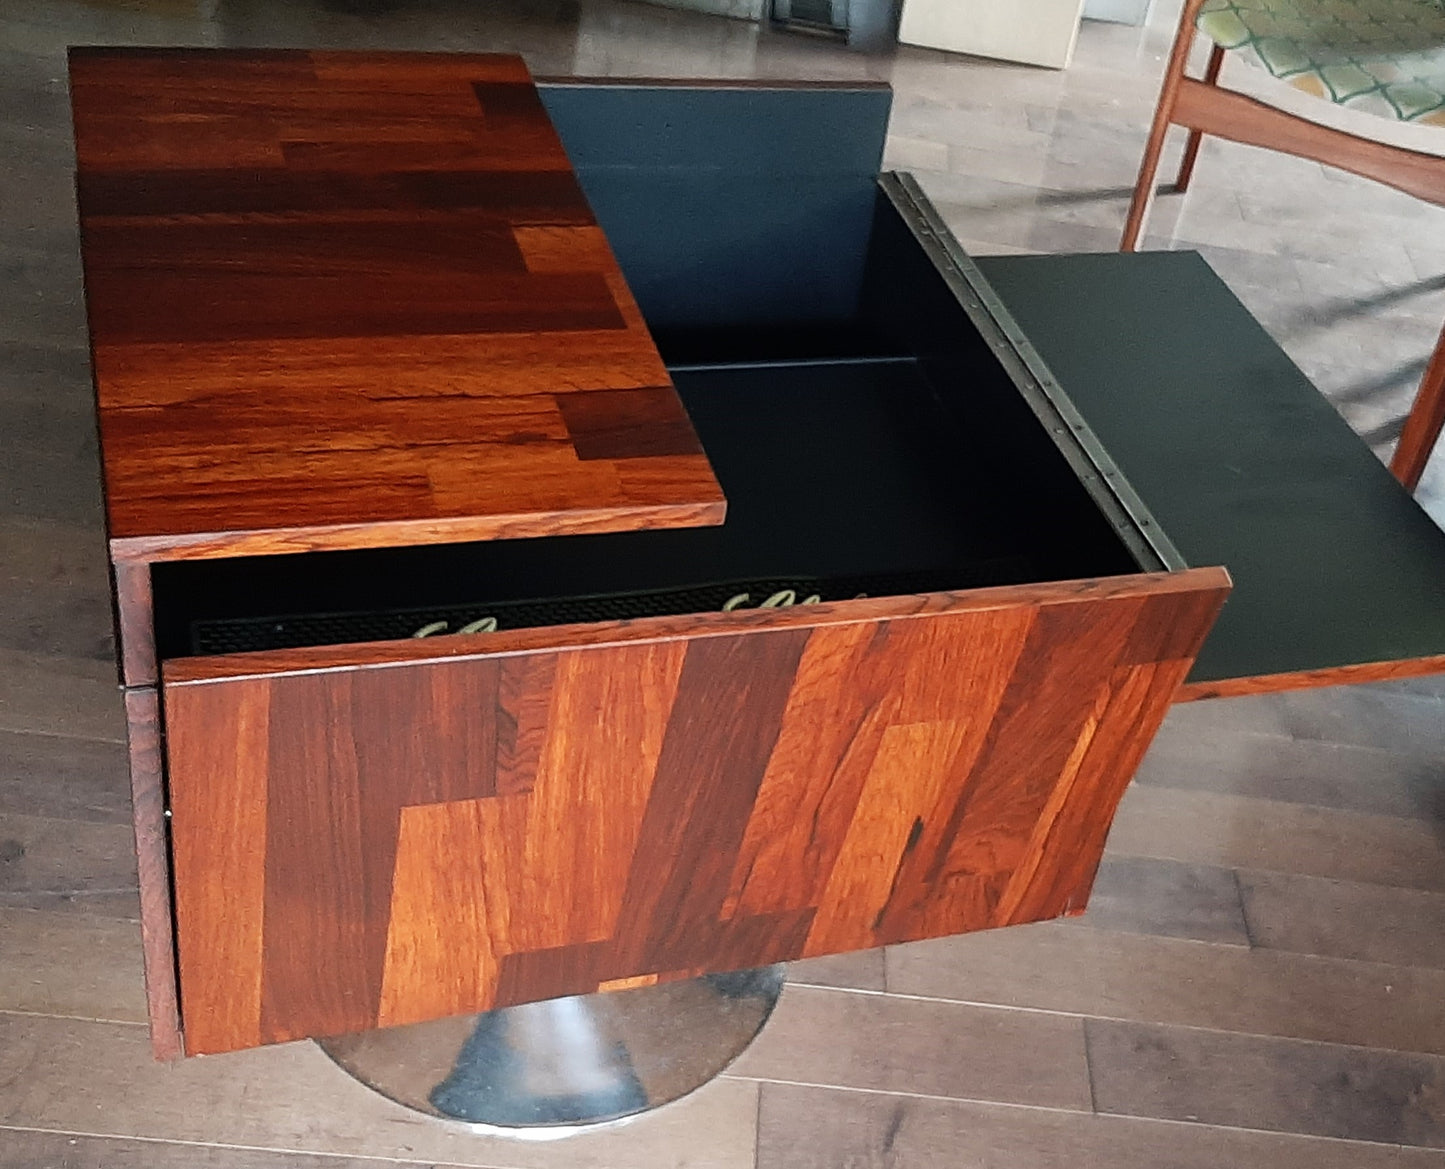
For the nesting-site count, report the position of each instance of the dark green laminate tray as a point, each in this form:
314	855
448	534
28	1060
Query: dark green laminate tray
1241	459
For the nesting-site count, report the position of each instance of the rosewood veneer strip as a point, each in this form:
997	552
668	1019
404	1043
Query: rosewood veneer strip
832	735
440	947
135	625
721	731
607	720
1312	679
624	517
1222	113
148	800
218	834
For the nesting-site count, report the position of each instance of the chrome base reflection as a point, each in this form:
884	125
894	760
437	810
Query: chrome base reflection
550	1069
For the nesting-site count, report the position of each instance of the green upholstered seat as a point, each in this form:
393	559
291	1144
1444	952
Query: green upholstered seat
1385	56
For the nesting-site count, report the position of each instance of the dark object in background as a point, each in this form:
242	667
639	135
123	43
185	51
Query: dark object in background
866	25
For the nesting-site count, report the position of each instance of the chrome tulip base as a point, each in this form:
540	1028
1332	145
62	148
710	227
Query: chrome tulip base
554	1068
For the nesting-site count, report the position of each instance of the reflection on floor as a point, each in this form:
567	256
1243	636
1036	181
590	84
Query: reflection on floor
1260	978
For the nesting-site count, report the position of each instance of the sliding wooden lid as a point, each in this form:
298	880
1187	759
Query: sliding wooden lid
346	299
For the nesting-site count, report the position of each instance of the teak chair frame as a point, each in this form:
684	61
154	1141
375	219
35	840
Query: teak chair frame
1203	106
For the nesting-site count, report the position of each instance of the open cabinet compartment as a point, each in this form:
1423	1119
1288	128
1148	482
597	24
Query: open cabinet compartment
886	452
624	784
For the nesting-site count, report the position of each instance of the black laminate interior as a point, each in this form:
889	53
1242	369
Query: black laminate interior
842	478
1240	458
866	438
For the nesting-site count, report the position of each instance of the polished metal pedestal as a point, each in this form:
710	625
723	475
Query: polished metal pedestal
553	1068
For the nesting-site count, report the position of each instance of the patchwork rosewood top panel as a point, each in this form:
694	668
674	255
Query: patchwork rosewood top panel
340	299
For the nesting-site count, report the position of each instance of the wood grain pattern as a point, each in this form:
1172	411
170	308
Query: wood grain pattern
1312	679
391	532
696	797
973	841
1239	118
338	839
592	789
1143	196
1424	422
339	300
148	799
320	836
1190	157
909	771
222	964
446	918
721	730
135	639
797	831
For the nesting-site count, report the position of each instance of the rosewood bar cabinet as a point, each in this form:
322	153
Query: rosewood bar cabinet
607	373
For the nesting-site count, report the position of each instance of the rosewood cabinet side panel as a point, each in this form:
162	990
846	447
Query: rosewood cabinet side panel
386	844
142	714
134	622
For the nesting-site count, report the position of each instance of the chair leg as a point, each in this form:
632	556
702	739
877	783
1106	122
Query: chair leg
1168	94
1423	424
1191	148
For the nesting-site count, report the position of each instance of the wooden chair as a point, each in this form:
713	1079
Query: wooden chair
1387	56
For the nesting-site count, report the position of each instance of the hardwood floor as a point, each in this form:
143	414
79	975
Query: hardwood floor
1260	976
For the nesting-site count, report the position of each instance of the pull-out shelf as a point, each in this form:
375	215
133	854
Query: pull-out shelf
636	775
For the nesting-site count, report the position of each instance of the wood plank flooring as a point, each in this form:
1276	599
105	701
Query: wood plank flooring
1260	977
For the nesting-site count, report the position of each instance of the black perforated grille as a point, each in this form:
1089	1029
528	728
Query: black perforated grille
244	635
